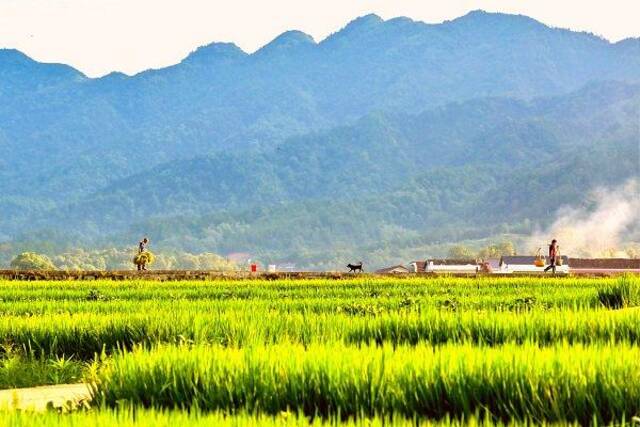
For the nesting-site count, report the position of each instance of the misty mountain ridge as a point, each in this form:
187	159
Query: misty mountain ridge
370	110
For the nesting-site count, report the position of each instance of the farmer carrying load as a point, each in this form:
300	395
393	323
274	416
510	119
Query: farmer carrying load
144	257
142	246
553	256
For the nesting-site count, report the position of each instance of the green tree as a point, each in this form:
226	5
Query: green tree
504	248
32	261
633	251
459	252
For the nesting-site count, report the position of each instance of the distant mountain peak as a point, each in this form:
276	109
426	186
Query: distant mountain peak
631	43
498	22
14	55
402	20
479	13
361	25
483	14
115	75
293	36
15	59
288	40
480	16
366	21
215	52
9	51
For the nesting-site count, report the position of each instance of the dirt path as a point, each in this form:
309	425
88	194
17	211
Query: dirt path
38	398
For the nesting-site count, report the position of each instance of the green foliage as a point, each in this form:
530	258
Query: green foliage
120	259
54	319
32	261
330	380
380	156
379	66
202	261
621	294
409	348
505	248
633	251
460	252
397	184
141	417
18	371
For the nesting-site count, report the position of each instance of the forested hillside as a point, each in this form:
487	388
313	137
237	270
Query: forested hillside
382	141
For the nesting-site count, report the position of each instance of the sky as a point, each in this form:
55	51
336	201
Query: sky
101	36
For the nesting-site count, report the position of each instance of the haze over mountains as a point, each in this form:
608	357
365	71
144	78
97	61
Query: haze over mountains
381	139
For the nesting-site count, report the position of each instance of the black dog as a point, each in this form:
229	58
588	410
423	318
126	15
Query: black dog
355	267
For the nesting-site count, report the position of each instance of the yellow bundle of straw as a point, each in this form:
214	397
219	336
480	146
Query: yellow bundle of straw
144	258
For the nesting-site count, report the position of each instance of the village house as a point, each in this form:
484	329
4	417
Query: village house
445	266
417	266
490	265
396	269
604	265
517	264
288	267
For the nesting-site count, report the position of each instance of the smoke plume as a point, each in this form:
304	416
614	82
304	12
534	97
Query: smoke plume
608	226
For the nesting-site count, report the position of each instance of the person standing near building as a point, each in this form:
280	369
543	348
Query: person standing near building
553	256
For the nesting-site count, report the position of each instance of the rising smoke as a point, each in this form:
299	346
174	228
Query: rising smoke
609	226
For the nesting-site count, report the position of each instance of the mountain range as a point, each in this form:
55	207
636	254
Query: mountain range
383	138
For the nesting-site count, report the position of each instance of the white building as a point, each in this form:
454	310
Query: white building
445	266
526	264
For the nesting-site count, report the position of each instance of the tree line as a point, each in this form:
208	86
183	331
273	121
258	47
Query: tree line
119	259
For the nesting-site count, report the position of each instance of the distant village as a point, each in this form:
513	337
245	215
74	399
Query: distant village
502	265
516	264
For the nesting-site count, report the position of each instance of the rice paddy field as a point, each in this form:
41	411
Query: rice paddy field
368	351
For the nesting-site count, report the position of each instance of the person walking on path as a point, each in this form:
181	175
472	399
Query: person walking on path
142	247
553	256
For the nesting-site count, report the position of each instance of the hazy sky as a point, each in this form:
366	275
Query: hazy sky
99	36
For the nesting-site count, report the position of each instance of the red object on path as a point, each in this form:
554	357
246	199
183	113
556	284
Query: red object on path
254	268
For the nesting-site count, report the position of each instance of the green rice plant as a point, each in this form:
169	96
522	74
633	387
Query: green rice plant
85	334
495	328
572	383
623	293
328	295
393	351
18	371
140	417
